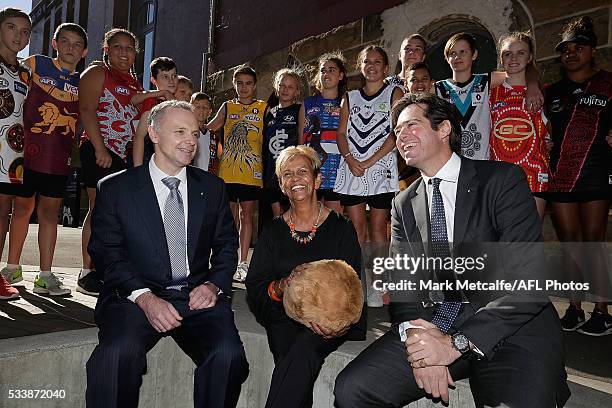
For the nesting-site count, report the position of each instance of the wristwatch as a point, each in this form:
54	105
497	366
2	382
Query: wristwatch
460	342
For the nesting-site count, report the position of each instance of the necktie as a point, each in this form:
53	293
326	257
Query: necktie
174	224
446	312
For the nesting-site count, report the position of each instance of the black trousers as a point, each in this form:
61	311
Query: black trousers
210	338
381	376
299	354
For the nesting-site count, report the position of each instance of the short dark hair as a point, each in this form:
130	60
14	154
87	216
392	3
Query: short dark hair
469	38
437	110
161	64
182	79
10	12
245	70
420	65
73	28
201	96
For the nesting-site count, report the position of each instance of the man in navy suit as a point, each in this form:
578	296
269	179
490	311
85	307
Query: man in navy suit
508	344
164	238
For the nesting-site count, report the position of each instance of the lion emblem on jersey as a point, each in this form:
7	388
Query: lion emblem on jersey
52	118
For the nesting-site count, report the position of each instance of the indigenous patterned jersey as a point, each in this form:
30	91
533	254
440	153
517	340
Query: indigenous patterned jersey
13	91
243	134
369	125
472	100
580	115
116	113
322	118
280	132
51	116
518	136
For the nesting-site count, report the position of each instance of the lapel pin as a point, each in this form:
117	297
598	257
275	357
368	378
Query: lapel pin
201	194
468	190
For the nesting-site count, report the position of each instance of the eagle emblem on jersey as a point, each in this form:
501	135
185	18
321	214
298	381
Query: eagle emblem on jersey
237	146
52	118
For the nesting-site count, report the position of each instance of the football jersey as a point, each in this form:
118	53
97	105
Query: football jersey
117	116
13	91
243	134
51	116
472	101
280	132
519	136
580	114
322	117
206	154
369	126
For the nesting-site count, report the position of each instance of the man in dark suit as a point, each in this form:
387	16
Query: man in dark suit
165	240
509	345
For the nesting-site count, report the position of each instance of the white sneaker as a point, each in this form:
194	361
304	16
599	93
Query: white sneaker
375	298
12	275
50	285
241	272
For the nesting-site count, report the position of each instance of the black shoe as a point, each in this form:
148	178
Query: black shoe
89	284
573	319
600	324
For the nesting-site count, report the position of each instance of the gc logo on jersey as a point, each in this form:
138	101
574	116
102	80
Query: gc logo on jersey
121	90
513	129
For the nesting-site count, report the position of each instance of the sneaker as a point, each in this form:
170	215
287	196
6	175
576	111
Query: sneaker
573	319
12	276
50	285
375	298
7	292
90	284
241	272
600	324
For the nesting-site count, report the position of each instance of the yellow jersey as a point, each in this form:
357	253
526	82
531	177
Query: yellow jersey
243	135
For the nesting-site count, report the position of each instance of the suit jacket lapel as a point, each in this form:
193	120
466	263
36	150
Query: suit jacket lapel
197	211
421	211
467	189
146	202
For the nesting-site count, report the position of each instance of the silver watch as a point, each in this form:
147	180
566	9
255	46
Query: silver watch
460	342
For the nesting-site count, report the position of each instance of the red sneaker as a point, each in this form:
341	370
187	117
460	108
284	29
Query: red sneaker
7	292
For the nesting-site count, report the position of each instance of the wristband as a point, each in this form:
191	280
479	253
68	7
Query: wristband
272	294
347	155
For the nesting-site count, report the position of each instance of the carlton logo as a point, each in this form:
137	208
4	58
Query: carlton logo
513	129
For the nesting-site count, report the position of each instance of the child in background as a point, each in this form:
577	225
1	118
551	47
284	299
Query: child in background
517	135
15	29
206	157
184	89
51	114
164	78
241	165
281	131
318	123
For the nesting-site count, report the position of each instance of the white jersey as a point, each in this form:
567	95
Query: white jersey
472	101
13	91
202	156
369	125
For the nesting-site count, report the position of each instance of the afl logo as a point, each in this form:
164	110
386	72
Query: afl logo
122	90
48	81
513	129
3	83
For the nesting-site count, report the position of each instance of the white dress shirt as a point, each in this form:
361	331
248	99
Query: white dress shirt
162	192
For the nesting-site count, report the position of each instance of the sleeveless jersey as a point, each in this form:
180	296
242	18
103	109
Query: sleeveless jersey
206	154
518	136
116	114
280	132
369	125
13	91
51	116
322	117
243	134
580	114
472	101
